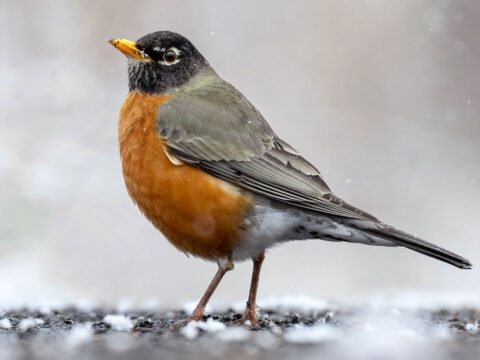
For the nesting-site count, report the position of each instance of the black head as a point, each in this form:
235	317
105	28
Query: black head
161	62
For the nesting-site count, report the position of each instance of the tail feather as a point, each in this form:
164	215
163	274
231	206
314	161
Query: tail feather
414	243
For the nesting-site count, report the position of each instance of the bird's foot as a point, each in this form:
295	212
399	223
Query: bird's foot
178	324
252	317
197	314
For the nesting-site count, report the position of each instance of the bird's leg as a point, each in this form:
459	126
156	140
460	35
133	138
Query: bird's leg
251	311
223	267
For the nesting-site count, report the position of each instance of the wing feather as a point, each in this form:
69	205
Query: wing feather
217	130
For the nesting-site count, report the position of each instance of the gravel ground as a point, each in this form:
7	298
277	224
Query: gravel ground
339	333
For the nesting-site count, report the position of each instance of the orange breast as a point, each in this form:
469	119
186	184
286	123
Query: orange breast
197	212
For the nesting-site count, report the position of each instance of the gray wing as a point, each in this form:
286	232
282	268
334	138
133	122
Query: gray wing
217	130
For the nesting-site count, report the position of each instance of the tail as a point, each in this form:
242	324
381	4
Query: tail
400	238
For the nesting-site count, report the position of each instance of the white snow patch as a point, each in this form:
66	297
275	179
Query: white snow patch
289	303
301	334
233	334
192	329
79	335
388	336
471	327
300	303
267	340
5	324
121	342
119	322
29	323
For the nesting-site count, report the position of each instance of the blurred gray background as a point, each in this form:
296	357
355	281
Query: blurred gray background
382	96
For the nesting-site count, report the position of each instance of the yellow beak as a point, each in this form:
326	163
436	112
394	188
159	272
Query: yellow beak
129	48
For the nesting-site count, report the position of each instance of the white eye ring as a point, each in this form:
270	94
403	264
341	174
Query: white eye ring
176	57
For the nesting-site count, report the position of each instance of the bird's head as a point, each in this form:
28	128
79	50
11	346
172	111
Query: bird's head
161	62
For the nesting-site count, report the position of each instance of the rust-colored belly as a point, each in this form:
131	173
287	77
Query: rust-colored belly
197	212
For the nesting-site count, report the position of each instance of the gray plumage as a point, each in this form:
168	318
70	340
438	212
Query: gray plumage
210	125
214	128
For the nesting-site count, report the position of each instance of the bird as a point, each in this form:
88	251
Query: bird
207	170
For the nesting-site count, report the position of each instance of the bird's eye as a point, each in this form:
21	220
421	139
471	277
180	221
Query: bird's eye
170	56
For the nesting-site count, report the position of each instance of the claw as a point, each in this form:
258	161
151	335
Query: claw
251	315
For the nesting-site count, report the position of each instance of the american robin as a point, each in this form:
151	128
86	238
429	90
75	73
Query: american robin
207	170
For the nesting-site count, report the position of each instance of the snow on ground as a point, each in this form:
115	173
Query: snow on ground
234	334
301	334
29	323
79	335
298	303
392	334
397	327
402	327
193	328
119	322
288	303
5	324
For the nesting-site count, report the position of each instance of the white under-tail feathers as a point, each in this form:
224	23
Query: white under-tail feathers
272	222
